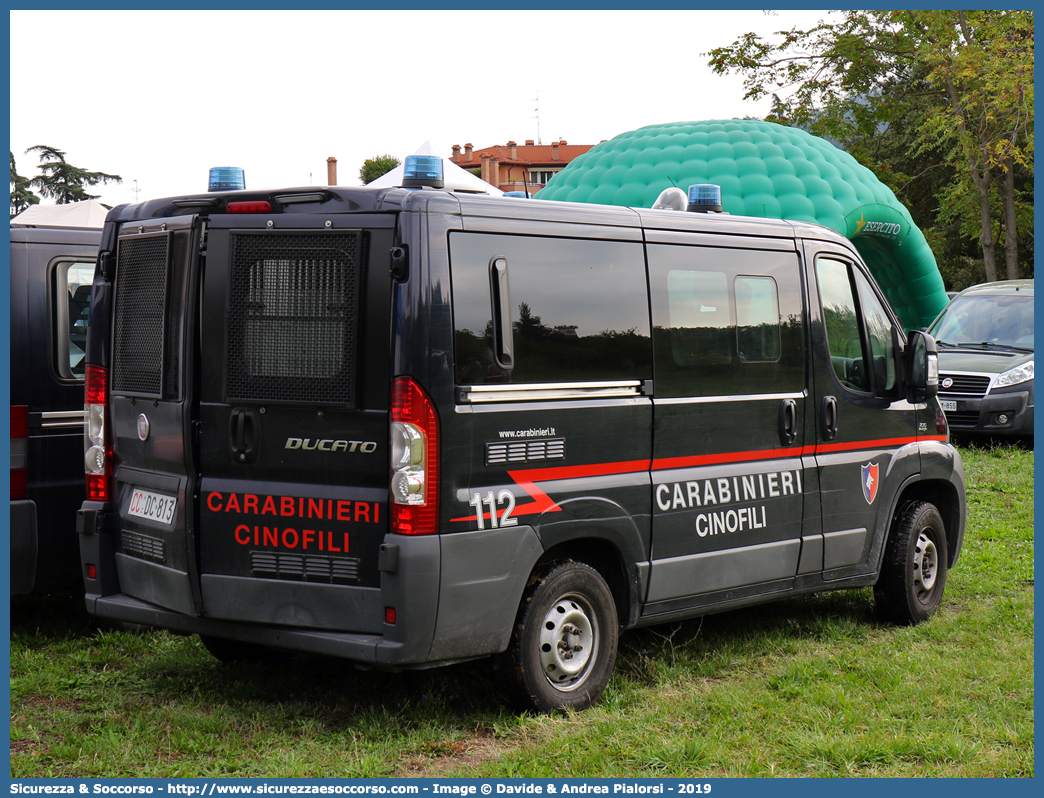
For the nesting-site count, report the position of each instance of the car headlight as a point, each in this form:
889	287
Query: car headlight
1023	373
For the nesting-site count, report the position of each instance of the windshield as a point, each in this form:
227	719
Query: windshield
996	320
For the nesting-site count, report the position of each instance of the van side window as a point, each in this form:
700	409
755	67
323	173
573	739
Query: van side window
726	322
845	320
578	309
879	331
700	317
69	313
757	319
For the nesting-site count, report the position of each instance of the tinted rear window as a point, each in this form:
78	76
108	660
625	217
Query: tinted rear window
579	309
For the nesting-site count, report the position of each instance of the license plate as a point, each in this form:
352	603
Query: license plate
948	405
152	506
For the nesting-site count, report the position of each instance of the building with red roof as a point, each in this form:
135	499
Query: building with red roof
516	167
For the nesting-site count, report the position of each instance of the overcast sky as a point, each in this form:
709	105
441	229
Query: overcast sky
172	93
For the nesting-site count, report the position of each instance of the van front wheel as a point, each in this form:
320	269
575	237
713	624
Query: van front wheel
563	646
913	575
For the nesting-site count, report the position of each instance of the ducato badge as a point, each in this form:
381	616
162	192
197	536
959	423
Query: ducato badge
329	445
143	427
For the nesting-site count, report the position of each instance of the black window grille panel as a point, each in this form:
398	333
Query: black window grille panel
140	308
293	317
177	298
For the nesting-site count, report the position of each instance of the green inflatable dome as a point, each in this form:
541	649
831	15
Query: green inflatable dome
771	171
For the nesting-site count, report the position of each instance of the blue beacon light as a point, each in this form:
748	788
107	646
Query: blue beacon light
704	198
226	178
423	170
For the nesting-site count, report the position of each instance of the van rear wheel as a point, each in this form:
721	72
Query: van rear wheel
564	643
913	575
230	651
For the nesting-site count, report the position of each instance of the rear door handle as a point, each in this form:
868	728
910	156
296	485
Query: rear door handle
243	434
788	422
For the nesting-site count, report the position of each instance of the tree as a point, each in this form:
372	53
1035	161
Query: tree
21	196
961	80
373	168
63	182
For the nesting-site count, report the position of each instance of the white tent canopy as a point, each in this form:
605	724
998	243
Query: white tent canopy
456	179
89	213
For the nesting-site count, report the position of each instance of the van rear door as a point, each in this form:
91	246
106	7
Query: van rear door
292	424
152	380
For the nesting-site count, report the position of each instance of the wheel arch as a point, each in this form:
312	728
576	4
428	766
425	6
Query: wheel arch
605	557
947	500
601	533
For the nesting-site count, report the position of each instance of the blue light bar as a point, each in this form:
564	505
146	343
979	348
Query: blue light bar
704	197
423	170
227	178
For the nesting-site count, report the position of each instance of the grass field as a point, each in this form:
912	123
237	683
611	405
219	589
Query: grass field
814	686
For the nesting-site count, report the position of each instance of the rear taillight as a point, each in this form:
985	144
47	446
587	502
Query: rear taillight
97	453
414	460
19	452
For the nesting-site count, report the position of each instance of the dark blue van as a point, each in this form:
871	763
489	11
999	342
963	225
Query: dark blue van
412	426
51	273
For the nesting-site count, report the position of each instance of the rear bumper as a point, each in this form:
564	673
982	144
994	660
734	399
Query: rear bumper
454	597
25	545
373	649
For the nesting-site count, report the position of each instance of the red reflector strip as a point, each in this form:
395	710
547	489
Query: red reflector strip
19	483
97	487
253	206
19	421
92	572
389	614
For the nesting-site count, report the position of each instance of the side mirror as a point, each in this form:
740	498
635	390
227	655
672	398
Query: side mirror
922	377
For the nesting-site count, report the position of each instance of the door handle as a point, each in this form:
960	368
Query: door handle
243	434
828	417
503	333
788	422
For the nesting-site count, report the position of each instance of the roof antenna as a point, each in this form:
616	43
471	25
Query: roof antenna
537	109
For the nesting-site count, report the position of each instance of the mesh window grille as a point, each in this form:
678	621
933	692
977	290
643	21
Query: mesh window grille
141	281
176	299
293	317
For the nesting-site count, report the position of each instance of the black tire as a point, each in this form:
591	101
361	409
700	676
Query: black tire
913	574
564	643
230	651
